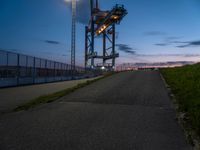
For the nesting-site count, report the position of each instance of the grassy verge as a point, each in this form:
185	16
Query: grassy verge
55	96
185	85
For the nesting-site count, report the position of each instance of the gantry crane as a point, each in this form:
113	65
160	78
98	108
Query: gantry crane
102	25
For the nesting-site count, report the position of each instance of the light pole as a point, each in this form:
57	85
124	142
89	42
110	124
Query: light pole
73	35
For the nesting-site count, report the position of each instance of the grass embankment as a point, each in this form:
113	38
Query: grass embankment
185	85
55	96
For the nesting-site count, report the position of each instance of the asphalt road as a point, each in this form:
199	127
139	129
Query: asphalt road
127	111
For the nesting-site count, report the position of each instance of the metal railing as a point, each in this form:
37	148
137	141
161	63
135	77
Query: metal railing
18	69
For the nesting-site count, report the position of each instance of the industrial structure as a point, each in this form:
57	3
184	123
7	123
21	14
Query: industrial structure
73	37
102	25
19	69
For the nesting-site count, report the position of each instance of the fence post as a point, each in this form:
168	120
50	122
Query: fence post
34	69
6	64
46	71
26	66
18	69
7	59
54	70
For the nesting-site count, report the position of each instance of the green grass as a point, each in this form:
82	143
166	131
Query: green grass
55	96
185	85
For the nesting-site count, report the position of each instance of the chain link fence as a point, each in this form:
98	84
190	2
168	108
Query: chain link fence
18	69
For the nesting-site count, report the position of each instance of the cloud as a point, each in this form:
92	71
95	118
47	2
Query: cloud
192	55
168	41
172	38
126	48
179	42
195	43
161	44
168	55
188	44
151	58
155	33
51	42
182	46
11	50
83	11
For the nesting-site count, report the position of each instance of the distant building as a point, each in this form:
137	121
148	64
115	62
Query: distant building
152	66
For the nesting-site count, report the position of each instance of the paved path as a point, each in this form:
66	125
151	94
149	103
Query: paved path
127	111
10	98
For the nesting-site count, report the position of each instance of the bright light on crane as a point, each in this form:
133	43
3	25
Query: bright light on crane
113	17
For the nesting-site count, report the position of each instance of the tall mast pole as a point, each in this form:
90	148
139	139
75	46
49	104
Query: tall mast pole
73	36
92	31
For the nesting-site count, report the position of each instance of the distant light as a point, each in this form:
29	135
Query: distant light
102	67
115	17
67	1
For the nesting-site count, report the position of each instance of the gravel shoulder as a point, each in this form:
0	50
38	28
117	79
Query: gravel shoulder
12	97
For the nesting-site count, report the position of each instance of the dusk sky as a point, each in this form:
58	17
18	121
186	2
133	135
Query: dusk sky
153	30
